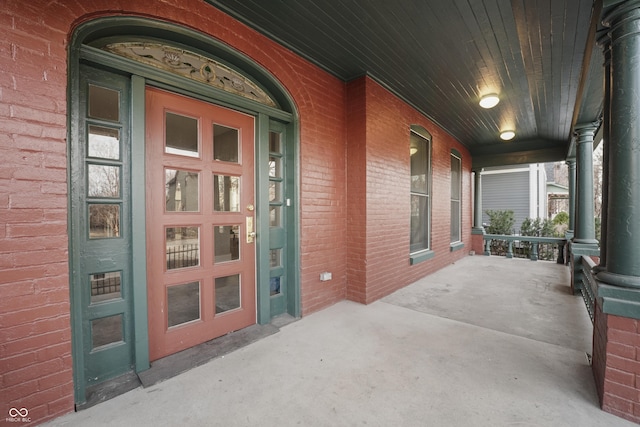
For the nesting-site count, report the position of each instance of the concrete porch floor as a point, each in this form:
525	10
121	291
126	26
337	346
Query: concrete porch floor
486	341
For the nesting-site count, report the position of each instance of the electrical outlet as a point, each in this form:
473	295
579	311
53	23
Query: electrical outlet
325	276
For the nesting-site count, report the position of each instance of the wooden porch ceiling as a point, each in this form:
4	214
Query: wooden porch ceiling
441	56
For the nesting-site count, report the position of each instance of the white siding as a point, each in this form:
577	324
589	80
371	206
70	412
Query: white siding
506	191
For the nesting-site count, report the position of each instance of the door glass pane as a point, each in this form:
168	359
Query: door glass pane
104	142
104	220
274	216
226	242
106	330
225	144
183	303
103	181
227	293
182	247
275	167
181	135
274	285
274	255
274	142
105	286
226	193
104	103
274	191
181	191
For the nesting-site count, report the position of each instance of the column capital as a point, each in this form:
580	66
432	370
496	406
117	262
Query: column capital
621	9
585	132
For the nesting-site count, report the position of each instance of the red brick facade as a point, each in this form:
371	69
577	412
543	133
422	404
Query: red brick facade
354	185
616	364
378	188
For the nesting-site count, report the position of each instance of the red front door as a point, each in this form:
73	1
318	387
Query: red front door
200	215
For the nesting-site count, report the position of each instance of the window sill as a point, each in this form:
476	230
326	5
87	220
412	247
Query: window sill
456	246
421	256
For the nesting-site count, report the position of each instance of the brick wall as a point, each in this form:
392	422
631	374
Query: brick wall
616	364
379	185
35	348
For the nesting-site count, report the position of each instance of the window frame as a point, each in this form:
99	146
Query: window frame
455	243
422	253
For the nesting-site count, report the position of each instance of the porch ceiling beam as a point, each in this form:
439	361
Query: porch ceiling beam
521	152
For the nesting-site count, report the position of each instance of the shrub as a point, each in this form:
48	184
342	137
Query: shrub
500	221
561	218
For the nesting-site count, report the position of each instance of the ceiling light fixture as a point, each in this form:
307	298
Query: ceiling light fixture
489	101
507	135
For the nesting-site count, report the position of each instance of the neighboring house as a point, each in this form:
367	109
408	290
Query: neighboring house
520	188
557	188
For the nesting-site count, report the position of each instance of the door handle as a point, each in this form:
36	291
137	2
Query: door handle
251	235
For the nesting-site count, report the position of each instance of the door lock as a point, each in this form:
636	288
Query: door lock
251	235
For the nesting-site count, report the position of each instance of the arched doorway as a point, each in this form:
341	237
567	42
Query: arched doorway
184	218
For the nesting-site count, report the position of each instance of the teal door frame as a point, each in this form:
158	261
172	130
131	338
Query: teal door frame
83	50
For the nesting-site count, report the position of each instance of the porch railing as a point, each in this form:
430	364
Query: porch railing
532	247
589	288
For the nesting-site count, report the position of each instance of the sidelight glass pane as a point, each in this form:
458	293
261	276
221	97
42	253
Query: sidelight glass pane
274	285
275	167
274	143
226	193
226	240
182	247
104	220
104	142
183	303
181	133
106	330
225	144
274	255
105	286
104	103
227	293
103	181
274	216
274	191
181	191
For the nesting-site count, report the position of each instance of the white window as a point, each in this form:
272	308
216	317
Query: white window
420	151
456	191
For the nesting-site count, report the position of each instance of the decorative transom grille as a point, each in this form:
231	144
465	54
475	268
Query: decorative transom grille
193	66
